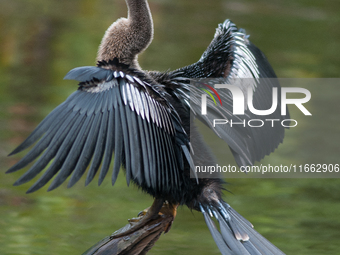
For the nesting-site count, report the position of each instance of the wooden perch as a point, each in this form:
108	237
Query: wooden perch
138	242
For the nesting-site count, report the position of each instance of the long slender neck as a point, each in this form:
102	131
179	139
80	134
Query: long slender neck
126	38
139	14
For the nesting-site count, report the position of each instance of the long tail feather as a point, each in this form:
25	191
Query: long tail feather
236	235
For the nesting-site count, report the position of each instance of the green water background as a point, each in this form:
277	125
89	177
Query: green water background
41	40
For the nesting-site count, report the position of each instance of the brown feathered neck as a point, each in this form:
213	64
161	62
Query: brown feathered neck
127	37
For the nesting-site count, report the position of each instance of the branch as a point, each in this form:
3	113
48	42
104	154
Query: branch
138	242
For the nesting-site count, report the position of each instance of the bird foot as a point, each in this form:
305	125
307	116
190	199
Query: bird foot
140	234
157	212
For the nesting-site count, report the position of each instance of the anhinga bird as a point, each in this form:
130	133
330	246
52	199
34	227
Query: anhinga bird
144	119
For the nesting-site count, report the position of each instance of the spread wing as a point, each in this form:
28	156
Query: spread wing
112	111
232	59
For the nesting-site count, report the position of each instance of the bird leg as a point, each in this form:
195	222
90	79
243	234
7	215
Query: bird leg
169	210
159	209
